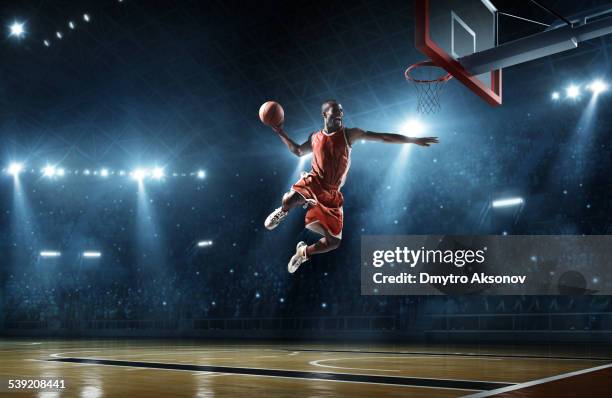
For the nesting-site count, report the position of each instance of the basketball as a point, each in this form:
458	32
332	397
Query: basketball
271	114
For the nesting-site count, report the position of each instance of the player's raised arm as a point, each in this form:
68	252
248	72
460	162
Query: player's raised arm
356	134
297	149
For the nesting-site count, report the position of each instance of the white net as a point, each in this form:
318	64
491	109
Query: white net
429	81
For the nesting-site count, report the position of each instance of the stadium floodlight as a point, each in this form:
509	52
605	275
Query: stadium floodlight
121	172
50	253
17	29
86	17
555	96
49	171
139	174
86	172
205	243
597	87
59	34
507	202
46	43
201	174
572	91
104	173
71	25
92	254
158	173
14	169
60	172
412	126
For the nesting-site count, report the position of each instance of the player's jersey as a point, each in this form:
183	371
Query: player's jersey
331	158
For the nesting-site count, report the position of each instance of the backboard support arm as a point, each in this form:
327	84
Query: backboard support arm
535	46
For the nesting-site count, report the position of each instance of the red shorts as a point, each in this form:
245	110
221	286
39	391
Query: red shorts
324	213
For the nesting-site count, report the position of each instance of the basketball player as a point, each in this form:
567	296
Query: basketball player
319	190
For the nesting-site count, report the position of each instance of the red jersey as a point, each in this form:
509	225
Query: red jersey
331	159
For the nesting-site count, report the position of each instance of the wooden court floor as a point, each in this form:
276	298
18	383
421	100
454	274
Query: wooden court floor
148	368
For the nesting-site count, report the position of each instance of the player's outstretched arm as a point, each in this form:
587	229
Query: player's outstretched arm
297	149
356	134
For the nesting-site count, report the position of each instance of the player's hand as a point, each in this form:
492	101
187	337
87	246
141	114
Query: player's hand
426	141
278	129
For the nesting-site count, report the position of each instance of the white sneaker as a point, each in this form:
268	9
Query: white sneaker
275	218
298	258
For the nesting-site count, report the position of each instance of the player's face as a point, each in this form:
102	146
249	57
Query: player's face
333	115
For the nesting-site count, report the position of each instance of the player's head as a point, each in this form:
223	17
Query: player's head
332	115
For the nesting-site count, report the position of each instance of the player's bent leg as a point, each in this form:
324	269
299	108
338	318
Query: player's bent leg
323	245
290	200
304	252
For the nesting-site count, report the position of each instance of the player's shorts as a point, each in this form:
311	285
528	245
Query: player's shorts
324	205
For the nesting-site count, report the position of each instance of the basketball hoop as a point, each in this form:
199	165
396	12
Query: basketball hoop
428	86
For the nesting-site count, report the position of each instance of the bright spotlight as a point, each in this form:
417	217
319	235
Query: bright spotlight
46	43
17	29
86	18
60	172
139	174
104	173
412	127
201	174
59	34
50	253
507	202
158	173
555	96
572	92
15	168
71	25
598	87
49	171
205	243
92	254
86	172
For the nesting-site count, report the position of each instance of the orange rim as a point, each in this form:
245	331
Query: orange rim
441	79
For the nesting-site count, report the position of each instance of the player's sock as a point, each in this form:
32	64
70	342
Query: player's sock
298	258
275	218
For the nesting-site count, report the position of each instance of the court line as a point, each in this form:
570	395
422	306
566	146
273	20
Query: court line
343	377
161	351
252	375
59	355
330	359
520	386
454	354
318	362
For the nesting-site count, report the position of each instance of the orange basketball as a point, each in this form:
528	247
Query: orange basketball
271	114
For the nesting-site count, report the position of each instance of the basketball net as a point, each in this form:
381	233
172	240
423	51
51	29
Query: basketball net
428	80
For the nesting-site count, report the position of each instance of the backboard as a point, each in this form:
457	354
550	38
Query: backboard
447	30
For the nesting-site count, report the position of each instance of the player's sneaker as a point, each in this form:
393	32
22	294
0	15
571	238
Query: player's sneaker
275	218
298	258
